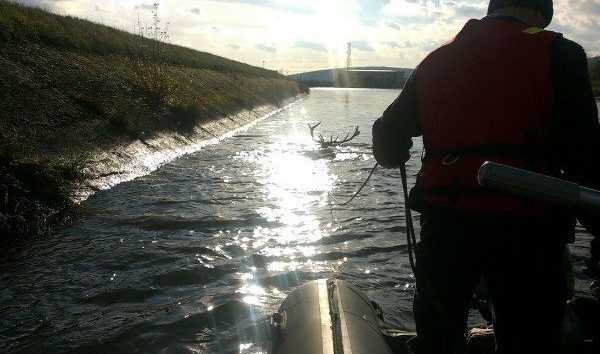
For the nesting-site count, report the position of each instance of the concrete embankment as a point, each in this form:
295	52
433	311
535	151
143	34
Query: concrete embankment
138	158
85	106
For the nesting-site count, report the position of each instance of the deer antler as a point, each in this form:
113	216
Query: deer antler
348	137
312	129
331	141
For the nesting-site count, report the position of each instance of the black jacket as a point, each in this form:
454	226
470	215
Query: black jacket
575	124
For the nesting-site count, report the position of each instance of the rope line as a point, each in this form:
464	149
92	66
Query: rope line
362	186
411	240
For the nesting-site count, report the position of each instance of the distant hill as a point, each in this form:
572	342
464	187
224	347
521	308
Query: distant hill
368	77
391	77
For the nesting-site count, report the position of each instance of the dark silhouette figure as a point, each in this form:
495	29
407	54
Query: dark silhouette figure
508	91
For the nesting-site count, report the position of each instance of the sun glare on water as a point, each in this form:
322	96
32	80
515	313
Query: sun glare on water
295	183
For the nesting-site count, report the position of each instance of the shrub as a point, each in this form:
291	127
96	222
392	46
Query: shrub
186	116
91	103
119	123
150	59
153	77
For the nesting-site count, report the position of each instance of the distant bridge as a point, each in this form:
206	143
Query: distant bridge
368	77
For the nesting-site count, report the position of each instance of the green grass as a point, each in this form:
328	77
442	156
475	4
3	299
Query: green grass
18	22
61	74
70	88
596	87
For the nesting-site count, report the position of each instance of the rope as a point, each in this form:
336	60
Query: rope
362	186
411	240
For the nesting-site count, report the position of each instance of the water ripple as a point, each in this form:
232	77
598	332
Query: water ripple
195	256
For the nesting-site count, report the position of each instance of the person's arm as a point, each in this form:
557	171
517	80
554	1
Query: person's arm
578	129
393	131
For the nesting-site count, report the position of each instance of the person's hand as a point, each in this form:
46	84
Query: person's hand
387	154
387	159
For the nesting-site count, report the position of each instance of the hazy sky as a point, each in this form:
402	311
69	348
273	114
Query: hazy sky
301	35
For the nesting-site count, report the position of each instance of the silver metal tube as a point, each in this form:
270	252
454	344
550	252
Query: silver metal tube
537	186
590	198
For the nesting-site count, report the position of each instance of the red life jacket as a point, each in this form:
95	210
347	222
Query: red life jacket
487	95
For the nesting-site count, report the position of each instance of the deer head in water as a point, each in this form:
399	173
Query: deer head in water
329	141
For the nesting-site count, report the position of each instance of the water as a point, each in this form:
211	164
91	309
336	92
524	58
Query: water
194	257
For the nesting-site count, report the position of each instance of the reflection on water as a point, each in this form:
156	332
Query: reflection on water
295	186
194	257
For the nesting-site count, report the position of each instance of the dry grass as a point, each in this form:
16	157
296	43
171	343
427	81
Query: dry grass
18	23
69	87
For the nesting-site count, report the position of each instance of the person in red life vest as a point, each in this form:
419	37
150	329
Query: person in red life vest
504	89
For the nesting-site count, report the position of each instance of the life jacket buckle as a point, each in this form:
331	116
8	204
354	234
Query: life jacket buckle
450	159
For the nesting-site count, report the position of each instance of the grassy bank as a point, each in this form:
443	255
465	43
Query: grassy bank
596	87
69	87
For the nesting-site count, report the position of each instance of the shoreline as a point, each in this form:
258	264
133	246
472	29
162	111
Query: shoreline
26	212
86	106
139	158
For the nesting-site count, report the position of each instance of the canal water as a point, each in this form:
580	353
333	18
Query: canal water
194	257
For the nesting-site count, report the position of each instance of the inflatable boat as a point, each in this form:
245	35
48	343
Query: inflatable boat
330	316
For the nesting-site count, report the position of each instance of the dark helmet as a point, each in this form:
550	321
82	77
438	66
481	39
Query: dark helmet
545	6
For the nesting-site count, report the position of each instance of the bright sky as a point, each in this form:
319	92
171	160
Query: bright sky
303	35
